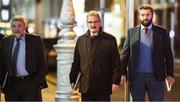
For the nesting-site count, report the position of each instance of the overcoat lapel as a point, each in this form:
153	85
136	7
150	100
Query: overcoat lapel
98	46
87	41
92	52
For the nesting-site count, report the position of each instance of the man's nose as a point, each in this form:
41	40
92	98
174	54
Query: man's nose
145	17
93	24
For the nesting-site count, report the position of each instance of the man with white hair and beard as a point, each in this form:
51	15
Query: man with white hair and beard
148	56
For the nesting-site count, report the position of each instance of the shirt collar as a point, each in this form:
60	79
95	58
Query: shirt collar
22	37
94	34
149	27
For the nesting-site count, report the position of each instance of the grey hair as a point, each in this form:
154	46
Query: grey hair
19	18
93	13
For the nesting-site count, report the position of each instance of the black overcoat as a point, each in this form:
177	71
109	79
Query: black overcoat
99	62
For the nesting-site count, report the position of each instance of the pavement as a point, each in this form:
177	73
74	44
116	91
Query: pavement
121	95
49	93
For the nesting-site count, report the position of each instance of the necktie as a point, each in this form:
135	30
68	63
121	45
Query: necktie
145	30
14	58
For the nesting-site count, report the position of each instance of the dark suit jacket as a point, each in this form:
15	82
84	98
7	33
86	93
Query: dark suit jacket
36	62
99	65
1	36
162	57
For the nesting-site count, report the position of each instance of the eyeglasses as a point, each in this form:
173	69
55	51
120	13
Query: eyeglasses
91	22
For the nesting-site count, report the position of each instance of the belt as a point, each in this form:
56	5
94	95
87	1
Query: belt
22	77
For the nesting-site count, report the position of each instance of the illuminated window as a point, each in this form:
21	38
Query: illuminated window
5	2
5	14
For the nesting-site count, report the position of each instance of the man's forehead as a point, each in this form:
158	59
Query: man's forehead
145	10
14	22
93	18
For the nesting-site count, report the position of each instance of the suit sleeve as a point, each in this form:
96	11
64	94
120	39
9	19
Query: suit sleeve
168	56
75	68
125	54
42	63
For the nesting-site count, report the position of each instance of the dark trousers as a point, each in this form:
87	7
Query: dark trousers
94	97
146	83
22	89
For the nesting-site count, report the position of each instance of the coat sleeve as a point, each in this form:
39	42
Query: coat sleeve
116	64
75	68
125	54
42	63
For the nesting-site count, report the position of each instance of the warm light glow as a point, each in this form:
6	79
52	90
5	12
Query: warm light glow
117	8
3	24
8	32
30	30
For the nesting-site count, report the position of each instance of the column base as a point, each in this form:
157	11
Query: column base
67	96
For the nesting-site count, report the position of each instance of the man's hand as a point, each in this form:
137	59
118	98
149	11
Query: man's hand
115	87
170	80
123	80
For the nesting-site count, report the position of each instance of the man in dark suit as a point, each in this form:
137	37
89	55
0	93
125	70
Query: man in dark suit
96	56
26	71
1	36
148	55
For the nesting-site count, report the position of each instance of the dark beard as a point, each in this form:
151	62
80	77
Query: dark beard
146	23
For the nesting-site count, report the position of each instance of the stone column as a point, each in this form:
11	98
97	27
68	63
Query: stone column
65	51
102	10
38	18
130	13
